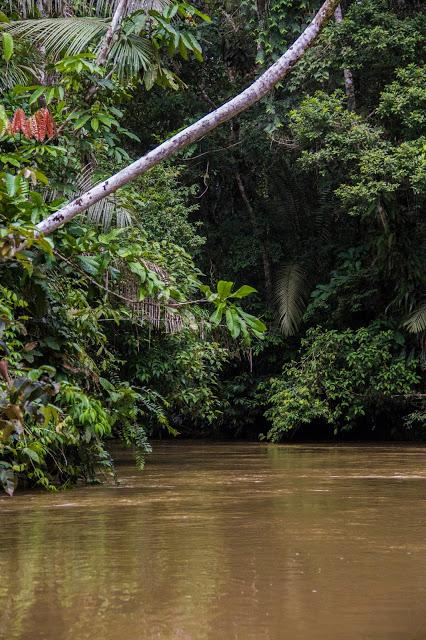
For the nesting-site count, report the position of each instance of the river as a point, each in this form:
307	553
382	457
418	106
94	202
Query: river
223	542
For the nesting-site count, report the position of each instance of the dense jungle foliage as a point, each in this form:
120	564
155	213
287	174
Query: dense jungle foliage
126	323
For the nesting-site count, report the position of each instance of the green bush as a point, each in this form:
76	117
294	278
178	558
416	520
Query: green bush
340	377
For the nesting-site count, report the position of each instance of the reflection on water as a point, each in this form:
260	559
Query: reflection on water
223	542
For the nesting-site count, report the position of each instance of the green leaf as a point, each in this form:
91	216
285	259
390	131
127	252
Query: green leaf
233	323
224	289
138	269
52	343
3	120
36	95
106	384
50	94
254	323
7	158
171	11
130	135
229	320
244	291
106	120
216	316
7	46
31	454
204	288
45	243
90	264
81	122
257	326
12	184
40	176
200	14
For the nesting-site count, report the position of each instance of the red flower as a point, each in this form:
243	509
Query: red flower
18	121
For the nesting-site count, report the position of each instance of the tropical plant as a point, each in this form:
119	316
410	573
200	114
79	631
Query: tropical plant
340	378
128	45
290	294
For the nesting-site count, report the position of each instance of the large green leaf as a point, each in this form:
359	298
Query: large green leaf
224	288
7	46
244	291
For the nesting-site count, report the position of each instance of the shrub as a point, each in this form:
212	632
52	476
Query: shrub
341	376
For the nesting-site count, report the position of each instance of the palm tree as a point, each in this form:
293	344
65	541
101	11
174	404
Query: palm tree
116	31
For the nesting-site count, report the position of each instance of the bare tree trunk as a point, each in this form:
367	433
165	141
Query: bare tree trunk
41	72
258	235
113	31
347	73
109	40
241	102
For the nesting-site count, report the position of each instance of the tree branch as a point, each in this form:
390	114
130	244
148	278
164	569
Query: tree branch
227	111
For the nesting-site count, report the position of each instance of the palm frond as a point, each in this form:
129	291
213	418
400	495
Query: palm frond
101	8
290	297
14	74
416	323
130	55
107	212
61	35
84	181
148	310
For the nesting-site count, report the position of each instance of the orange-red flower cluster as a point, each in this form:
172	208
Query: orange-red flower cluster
39	126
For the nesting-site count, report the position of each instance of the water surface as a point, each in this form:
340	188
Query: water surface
224	542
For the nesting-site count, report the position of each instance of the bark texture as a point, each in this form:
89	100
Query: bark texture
109	40
113	31
241	102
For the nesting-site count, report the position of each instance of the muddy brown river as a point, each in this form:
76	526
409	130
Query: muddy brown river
223	542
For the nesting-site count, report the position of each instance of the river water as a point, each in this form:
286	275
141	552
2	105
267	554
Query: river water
224	542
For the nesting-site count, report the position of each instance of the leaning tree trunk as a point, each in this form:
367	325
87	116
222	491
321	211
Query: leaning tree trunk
241	102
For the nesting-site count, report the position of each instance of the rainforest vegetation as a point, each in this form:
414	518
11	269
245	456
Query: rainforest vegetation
267	280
